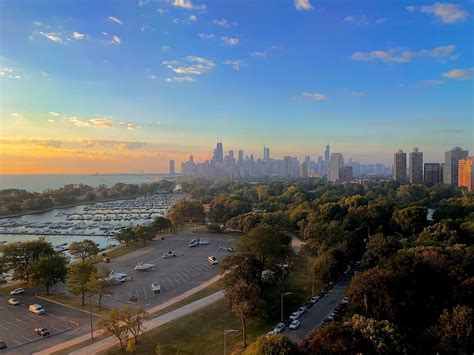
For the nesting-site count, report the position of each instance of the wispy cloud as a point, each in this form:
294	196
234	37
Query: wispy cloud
362	20
205	36
236	64
405	56
122	145
230	41
315	96
446	12
303	5
9	73
187	4
357	93
54	114
224	23
115	40
459	74
188	20
43	142
52	36
17	116
429	83
78	36
180	79
115	20
259	54
191	66
142	3
96	122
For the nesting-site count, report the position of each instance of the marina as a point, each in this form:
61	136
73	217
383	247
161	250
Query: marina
98	221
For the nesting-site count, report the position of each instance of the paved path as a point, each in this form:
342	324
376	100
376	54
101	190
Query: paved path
109	342
158	308
316	314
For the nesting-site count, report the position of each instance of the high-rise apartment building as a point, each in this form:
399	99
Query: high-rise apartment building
451	165
416	167
241	156
347	173
172	168
336	165
466	173
326	153
286	165
400	166
219	153
432	174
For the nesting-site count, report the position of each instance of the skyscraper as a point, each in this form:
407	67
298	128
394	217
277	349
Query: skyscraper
451	165
347	173
172	167
336	166
268	153
264	153
241	156
416	166
219	153
432	174
286	165
400	166
466	173
326	153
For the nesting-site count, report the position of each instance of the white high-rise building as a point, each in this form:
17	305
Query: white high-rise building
336	166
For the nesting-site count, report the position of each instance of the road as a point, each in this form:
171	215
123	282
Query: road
314	316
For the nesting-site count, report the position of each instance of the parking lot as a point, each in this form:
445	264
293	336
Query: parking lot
175	275
18	323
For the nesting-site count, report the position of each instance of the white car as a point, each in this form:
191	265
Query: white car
155	286
315	299
279	328
17	291
193	243
212	260
345	300
13	301
169	254
295	315
302	310
295	324
271	333
203	242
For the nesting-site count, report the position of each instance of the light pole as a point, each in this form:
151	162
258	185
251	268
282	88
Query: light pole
227	331
282	296
90	312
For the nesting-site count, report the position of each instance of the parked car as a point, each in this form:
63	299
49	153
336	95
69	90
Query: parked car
315	299
106	260
279	328
13	301
295	324
3	345
345	300
36	309
302	310
271	333
17	291
203	242
193	243
212	260
295	315
42	332
169	254
308	304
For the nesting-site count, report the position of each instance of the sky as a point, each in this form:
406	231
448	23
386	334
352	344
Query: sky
116	86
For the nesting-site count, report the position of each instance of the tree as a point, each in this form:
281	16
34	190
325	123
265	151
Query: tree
78	278
274	345
224	207
48	270
331	339
113	325
98	284
84	249
19	257
411	220
379	249
126	236
133	318
161	223
454	332
130	346
243	299
144	233
89	196
330	265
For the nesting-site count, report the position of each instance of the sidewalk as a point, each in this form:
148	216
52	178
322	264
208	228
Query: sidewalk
155	309
109	342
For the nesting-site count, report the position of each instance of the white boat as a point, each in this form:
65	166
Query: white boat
60	248
144	266
155	286
116	276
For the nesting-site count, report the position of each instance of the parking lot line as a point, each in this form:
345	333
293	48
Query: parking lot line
162	282
181	277
171	282
186	276
7	329
191	271
179	283
28	339
16	341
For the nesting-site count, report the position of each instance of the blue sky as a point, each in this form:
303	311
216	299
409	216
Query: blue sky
146	81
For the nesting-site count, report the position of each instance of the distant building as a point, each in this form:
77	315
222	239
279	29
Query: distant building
172	168
466	173
286	165
305	169
416	167
347	173
219	153
433	173
326	153
450	172
336	165
400	167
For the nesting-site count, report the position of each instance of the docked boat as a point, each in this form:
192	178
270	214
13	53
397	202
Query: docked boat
144	266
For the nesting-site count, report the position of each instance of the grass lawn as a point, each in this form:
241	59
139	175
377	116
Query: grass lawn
209	290
76	303
201	332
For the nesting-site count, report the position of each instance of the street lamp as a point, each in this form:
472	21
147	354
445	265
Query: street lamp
90	312
282	296
227	331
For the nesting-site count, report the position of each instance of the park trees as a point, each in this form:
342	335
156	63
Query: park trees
84	249
133	317
224	207
78	278
379	249
98	284
411	220
113	325
48	270
161	223
274	345
126	236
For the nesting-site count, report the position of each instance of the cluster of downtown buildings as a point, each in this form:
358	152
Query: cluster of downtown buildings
457	170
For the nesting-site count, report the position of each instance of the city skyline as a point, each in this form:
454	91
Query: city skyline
127	86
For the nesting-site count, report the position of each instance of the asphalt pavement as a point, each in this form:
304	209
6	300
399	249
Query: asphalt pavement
315	315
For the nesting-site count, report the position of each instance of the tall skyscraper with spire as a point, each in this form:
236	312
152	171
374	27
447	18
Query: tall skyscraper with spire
219	153
327	153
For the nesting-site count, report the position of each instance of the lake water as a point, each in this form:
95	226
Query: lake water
38	183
